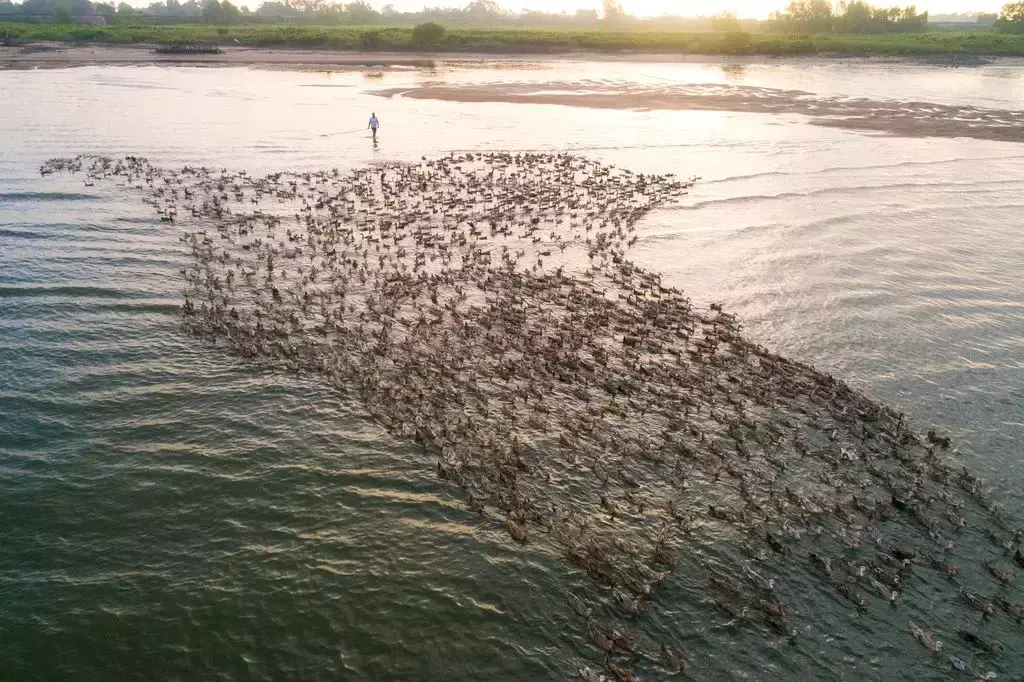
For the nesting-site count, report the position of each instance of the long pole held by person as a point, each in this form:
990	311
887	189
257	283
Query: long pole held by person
374	124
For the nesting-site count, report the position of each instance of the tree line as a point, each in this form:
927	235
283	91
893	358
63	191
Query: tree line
800	16
1011	19
856	16
486	13
859	17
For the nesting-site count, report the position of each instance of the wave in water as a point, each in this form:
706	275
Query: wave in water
743	454
44	196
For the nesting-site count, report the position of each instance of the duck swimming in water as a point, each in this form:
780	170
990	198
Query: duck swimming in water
516	531
926	640
481	310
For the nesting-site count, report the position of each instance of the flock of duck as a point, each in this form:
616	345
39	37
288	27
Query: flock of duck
484	306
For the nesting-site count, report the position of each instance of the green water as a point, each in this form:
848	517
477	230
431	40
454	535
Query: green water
168	511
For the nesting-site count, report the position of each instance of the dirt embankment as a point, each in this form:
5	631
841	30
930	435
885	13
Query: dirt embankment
56	56
60	55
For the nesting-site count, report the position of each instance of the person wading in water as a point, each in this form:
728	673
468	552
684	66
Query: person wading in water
374	124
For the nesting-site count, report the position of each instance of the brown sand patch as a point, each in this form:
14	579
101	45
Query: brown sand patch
908	119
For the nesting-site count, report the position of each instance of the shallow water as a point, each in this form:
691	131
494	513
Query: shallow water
166	507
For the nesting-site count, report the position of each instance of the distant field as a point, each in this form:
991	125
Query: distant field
528	40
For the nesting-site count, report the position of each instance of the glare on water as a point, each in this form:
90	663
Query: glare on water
168	507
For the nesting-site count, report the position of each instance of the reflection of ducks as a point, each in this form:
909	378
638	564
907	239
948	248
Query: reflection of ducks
977	641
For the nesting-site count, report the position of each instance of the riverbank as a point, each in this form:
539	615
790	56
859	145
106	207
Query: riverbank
524	41
56	55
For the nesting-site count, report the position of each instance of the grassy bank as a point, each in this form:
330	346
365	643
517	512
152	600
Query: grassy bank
527	40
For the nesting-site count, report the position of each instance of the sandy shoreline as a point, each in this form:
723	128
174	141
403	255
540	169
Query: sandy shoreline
906	119
55	56
910	119
60	55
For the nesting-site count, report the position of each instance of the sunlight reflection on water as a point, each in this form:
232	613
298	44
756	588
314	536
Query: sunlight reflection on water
892	262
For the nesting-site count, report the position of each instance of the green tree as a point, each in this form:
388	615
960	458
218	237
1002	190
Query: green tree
62	15
855	17
302	6
860	17
428	34
806	15
277	10
613	11
229	13
212	12
1011	19
485	9
329	14
725	20
360	13
107	11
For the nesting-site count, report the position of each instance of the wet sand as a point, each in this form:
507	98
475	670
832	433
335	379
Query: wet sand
908	119
58	55
48	54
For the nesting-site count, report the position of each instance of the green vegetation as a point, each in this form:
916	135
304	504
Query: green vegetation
62	15
1011	20
222	13
526	40
848	17
428	34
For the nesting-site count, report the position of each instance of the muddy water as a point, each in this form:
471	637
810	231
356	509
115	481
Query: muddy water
166	508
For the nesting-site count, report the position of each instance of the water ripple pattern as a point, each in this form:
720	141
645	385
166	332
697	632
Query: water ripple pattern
164	508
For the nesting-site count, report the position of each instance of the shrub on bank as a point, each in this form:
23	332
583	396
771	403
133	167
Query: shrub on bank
428	34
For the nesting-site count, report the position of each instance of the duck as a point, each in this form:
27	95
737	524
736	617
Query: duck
427	308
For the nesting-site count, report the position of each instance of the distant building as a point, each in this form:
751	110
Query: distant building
91	20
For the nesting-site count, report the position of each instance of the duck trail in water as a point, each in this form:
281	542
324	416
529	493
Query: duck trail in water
484	307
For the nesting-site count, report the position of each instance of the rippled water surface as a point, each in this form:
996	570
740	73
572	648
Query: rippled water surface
167	510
